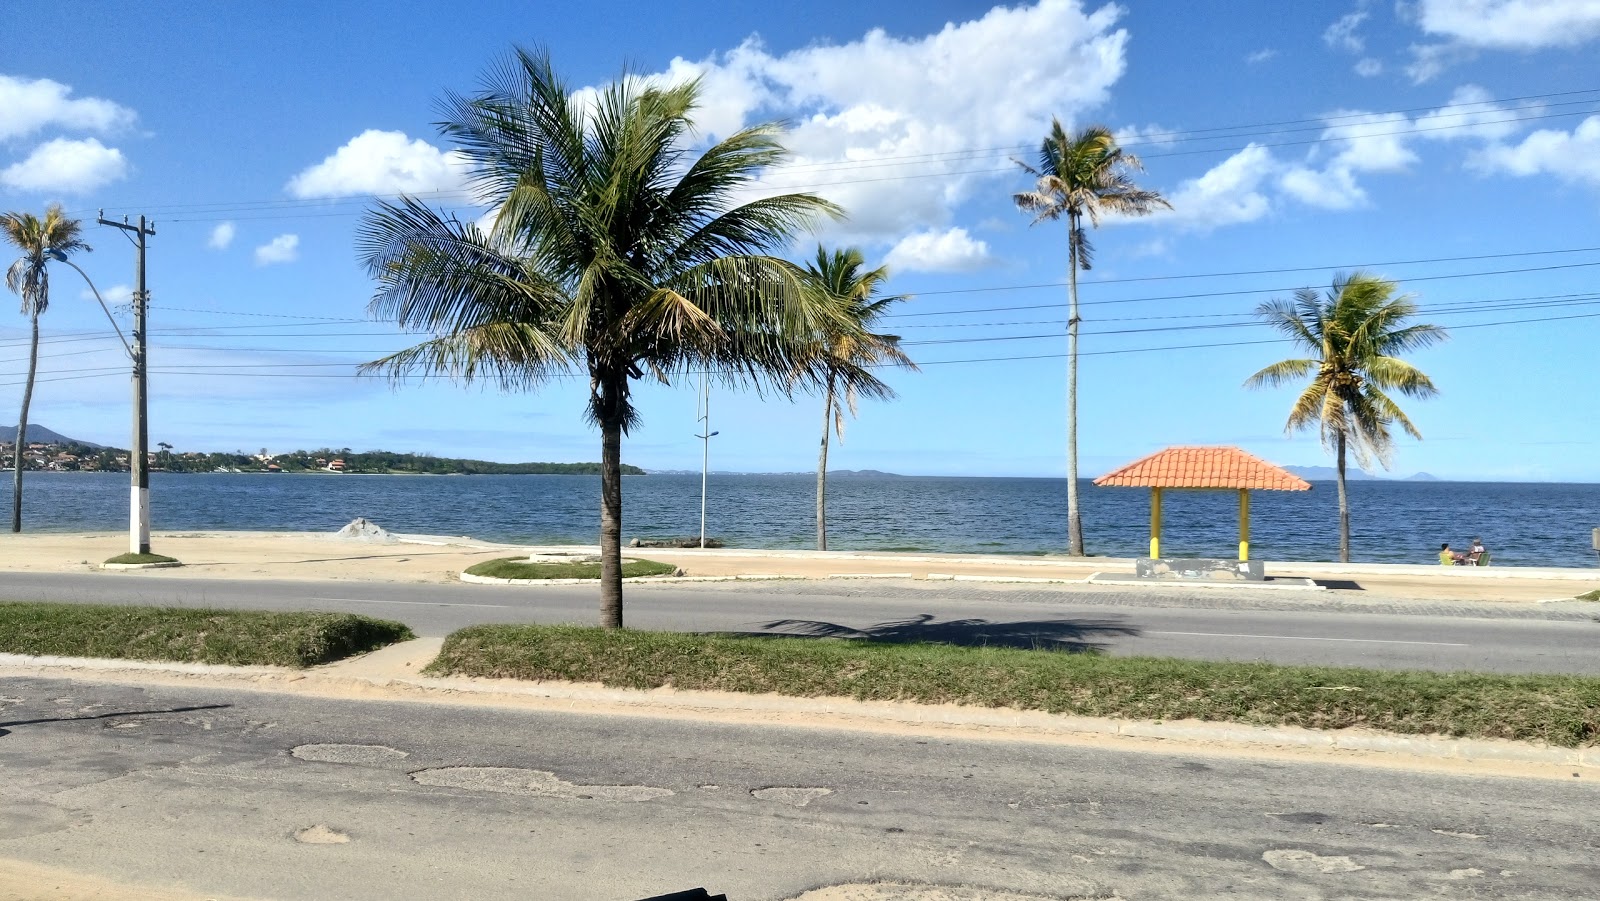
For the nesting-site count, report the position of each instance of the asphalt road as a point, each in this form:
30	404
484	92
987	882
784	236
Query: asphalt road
1218	624
272	796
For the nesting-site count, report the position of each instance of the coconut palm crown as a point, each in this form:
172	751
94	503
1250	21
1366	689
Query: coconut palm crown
849	358
615	252
1354	336
40	240
1081	175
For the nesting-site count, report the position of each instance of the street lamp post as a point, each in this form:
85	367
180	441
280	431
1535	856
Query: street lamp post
705	449
139	509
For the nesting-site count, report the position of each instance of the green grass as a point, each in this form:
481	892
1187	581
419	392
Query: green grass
142	558
1560	710
520	568
191	635
1590	595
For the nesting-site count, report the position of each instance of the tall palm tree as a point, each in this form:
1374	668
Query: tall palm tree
1354	336
29	277
1081	175
614	252
848	357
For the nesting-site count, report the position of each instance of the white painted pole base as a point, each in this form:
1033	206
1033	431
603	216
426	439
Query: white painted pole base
139	520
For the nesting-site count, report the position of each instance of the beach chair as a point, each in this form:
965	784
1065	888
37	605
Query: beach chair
1478	559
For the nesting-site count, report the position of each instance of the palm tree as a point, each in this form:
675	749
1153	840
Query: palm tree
1080	175
39	240
614	252
1354	336
847	358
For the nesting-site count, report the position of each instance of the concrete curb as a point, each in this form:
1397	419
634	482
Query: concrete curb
392	676
163	565
1279	583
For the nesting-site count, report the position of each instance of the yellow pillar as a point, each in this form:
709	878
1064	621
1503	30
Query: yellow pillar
1244	524
1155	523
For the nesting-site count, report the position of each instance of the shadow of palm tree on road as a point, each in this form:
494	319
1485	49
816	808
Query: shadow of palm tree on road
1071	635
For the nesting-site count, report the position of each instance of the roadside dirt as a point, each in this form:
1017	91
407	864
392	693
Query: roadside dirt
30	882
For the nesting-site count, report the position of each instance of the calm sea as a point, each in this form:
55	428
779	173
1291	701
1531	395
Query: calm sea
1523	524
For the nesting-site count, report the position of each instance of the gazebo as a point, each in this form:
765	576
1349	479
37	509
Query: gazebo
1203	469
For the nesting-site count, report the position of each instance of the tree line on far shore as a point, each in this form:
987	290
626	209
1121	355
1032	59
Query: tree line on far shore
74	457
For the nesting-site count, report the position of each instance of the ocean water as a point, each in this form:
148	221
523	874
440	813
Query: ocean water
1525	524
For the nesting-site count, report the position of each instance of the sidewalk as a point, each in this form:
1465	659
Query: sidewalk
439	559
393	674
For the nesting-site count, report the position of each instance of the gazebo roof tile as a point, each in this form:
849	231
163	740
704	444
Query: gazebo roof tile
1203	467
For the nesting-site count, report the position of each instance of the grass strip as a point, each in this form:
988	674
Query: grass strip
520	568
191	635
1590	595
142	558
1560	710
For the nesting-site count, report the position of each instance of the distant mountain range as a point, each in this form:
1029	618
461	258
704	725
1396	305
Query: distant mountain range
1329	473
42	435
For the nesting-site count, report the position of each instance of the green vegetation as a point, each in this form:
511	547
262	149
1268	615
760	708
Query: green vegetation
142	558
55	237
619	250
188	635
1561	710
847	358
1590	595
1354	337
520	568
379	461
1084	174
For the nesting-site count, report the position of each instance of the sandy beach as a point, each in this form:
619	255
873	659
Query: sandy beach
439	559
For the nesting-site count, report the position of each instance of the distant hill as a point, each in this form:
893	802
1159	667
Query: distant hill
1329	473
42	435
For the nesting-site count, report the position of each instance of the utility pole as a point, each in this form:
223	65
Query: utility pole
139	455
705	448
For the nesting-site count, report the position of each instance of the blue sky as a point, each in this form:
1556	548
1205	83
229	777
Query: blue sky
1435	142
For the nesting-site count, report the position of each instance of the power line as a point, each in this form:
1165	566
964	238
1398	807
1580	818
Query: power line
1207	294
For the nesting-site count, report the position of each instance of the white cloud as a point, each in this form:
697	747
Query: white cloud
381	162
28	105
1511	24
1370	142
885	124
1229	194
1261	56
1466	26
939	251
1334	188
1343	34
1369	67
1471	113
222	236
112	296
68	166
282	249
1136	137
1570	156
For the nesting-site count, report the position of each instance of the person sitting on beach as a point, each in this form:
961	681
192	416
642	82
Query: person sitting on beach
1478	550
1448	557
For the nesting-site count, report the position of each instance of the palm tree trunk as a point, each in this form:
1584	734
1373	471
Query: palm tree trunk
822	471
1344	508
611	509
1074	515
21	443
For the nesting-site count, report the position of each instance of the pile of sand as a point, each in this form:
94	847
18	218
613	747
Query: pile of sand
363	529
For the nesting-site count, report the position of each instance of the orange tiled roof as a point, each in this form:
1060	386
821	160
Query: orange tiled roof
1203	467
